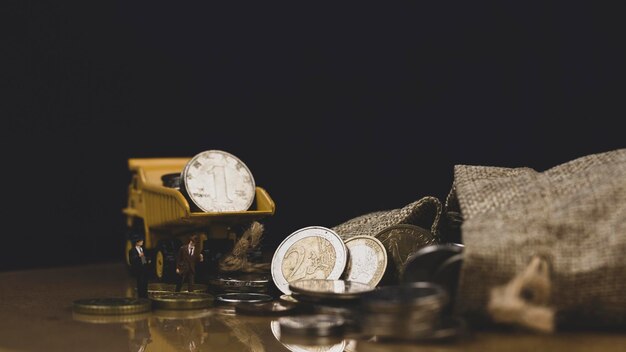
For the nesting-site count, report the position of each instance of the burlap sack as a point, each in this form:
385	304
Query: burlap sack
573	215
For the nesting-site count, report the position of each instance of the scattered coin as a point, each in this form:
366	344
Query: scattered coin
400	312
310	253
241	283
447	275
403	240
367	260
159	288
182	300
171	180
217	181
421	265
111	306
314	290
235	298
397	299
266	309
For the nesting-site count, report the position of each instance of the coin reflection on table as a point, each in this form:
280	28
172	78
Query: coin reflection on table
308	346
367	260
266	309
310	253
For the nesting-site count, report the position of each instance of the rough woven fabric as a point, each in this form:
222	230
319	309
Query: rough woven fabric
574	215
424	212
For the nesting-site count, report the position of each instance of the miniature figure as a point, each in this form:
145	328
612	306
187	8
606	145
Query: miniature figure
139	266
186	261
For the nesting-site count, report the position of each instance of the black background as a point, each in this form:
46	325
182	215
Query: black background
337	109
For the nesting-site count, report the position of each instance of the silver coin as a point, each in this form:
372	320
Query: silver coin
243	297
329	289
310	253
367	260
217	181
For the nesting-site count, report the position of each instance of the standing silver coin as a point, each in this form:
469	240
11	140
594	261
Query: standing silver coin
310	253
216	181
367	260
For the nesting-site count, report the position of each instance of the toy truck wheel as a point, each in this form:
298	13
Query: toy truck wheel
165	260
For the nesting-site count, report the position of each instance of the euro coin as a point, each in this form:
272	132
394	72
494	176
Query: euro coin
310	253
367	260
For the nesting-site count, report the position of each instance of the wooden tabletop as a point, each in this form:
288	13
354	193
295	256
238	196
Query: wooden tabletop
36	315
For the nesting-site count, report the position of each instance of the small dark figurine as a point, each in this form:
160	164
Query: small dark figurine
139	266
188	256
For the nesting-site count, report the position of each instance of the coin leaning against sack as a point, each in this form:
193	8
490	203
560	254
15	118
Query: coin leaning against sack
318	253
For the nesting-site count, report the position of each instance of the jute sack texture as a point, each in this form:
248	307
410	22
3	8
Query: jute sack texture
573	216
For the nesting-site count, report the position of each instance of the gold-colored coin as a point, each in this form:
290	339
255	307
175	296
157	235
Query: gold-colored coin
111	306
403	240
182	300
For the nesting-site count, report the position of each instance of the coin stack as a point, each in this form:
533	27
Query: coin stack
408	312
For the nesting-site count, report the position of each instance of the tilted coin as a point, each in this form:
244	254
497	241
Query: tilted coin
402	240
422	265
216	181
310	253
235	298
328	289
182	300
111	306
367	260
171	180
305	346
266	309
447	275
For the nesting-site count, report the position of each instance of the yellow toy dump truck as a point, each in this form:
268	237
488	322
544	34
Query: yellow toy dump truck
162	215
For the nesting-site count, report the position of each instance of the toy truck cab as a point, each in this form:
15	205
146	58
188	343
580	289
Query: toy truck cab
163	216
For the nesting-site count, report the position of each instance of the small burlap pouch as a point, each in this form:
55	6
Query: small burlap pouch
573	216
424	213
